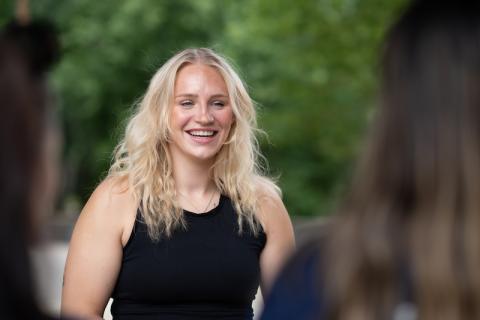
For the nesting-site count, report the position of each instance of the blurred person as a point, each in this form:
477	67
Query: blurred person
28	159
406	244
185	225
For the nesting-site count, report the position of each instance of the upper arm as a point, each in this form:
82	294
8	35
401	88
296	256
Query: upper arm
280	238
95	251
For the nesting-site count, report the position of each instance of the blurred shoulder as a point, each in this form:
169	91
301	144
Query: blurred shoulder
298	291
306	260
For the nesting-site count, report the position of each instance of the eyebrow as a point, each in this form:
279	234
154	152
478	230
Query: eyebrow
188	95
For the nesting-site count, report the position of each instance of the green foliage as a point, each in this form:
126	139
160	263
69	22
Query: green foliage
111	50
311	66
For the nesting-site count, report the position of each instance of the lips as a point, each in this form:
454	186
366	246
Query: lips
202	136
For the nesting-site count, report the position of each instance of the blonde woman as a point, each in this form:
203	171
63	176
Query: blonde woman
185	226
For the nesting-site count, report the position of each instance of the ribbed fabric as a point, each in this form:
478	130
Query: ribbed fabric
208	271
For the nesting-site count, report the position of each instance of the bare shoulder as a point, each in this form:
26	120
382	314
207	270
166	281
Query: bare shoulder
272	211
111	205
108	188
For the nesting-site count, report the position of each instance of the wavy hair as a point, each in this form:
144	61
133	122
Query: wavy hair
143	155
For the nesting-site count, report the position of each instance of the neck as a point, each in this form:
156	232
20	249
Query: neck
192	177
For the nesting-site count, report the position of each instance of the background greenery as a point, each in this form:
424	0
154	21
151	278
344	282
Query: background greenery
310	65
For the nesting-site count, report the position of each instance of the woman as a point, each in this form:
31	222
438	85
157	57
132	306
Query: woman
185	221
407	245
27	166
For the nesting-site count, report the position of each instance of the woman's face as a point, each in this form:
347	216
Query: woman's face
201	115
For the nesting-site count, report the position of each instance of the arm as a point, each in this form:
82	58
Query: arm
280	238
95	252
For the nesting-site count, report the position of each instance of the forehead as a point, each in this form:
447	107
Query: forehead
199	78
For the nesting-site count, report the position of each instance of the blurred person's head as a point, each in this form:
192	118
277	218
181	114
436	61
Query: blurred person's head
145	153
413	213
26	136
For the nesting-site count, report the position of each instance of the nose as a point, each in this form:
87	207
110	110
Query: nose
203	115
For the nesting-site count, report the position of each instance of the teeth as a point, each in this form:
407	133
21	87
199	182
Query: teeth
202	133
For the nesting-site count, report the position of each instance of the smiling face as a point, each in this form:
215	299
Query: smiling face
201	115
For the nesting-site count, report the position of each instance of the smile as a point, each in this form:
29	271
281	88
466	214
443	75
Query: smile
202	133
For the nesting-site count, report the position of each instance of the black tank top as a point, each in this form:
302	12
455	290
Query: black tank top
208	271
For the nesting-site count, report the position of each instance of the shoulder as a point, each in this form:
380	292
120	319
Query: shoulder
109	191
271	210
112	203
297	291
110	199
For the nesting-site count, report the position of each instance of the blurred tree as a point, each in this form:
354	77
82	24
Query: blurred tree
309	64
112	48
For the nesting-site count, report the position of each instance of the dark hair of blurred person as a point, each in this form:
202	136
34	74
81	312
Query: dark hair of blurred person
27	175
407	242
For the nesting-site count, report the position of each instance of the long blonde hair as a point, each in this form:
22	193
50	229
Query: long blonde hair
143	155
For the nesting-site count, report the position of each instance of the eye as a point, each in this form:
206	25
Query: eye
218	103
186	103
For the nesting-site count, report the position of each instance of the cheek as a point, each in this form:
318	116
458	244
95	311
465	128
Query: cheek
226	118
178	119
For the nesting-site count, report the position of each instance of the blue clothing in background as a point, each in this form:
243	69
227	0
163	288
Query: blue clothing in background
297	292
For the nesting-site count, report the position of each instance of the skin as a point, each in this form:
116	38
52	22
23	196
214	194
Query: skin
201	105
95	251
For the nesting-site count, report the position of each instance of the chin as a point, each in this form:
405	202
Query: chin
199	153
204	156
